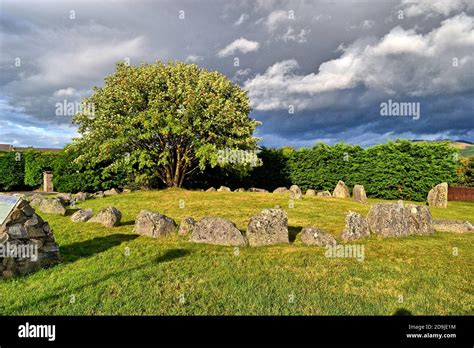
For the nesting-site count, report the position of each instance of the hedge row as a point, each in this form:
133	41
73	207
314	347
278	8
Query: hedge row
395	170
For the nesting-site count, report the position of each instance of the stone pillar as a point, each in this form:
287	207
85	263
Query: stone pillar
48	181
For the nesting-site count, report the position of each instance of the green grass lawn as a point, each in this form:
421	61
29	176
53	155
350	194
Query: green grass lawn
115	272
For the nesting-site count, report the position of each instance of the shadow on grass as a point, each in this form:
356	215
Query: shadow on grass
61	293
293	232
70	211
402	312
127	223
172	254
87	248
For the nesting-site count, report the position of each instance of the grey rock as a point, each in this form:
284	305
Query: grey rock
111	192
268	228
240	189
281	190
224	189
108	217
358	194
80	196
454	226
326	194
219	231
295	192
341	190
211	189
153	224
36	200
186	226
310	192
315	236
398	220
66	198
356	227
82	215
99	194
438	196
52	206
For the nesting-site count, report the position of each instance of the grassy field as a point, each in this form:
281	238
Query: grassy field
114	272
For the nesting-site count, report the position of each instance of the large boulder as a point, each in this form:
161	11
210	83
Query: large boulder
153	224
240	189
24	232
358	194
325	194
36	200
310	192
66	198
295	192
398	220
52	206
219	231
438	196
111	192
224	189
109	217
281	190
341	190
268	228
211	189
455	226
82	215
99	194
186	226
80	196
356	227
315	236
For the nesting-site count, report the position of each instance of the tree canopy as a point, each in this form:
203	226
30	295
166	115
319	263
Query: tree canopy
164	122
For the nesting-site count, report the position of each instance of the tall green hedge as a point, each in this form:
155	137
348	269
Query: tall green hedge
395	170
12	171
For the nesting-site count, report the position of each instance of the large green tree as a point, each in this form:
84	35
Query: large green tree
164	121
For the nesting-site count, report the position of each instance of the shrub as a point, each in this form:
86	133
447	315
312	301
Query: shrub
12	169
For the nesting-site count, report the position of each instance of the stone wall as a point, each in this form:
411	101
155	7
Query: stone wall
26	242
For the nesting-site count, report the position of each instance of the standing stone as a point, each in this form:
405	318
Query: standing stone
356	227
240	189
398	220
48	181
109	217
218	231
211	189
310	192
153	224
326	194
82	215
281	190
66	198
36	200
186	226
341	190
358	194
224	189
295	192
438	196
52	206
315	236
455	226
99	194
268	228
80	196
111	192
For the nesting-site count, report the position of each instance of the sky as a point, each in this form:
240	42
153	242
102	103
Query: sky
315	71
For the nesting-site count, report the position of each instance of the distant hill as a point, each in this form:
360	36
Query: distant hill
466	147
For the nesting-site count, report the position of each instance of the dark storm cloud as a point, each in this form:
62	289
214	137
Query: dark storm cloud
333	61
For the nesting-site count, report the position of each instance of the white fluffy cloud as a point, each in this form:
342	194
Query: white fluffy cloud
240	45
415	8
403	62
